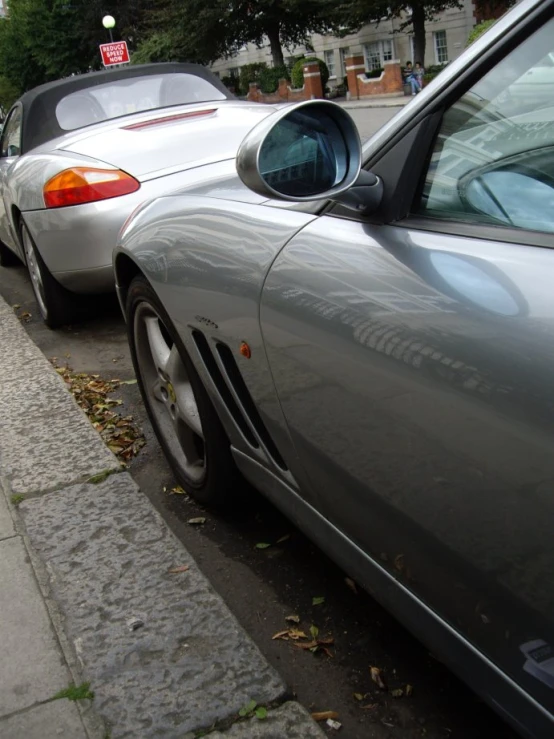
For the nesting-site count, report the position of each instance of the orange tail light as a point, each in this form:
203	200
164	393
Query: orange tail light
87	185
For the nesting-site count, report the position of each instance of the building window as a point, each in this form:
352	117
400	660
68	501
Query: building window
441	48
234	72
377	53
329	59
344	52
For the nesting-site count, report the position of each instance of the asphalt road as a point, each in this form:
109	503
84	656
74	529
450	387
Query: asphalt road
262	587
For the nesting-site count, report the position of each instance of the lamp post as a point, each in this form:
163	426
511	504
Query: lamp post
108	21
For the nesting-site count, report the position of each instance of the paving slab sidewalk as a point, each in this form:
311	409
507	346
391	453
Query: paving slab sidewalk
87	594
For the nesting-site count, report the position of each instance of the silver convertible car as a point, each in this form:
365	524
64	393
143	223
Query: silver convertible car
78	155
367	336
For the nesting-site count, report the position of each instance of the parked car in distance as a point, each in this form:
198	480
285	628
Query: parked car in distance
367	336
77	156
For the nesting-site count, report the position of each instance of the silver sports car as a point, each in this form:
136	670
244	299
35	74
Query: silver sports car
367	336
77	156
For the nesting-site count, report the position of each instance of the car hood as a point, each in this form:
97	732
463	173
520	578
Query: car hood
162	142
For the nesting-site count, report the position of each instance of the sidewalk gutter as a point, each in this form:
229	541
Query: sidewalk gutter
87	595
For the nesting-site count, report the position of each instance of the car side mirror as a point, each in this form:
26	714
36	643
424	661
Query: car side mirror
305	152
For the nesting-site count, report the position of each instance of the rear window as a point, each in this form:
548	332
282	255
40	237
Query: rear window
127	96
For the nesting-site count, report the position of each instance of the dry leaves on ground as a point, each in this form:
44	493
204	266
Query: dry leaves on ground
120	433
300	639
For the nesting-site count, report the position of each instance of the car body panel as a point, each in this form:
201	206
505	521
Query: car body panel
77	243
427	411
147	147
162	147
225	309
405	376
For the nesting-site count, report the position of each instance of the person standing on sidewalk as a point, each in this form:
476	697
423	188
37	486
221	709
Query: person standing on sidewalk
416	79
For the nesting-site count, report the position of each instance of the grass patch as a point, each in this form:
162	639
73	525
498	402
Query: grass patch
75	693
101	476
17	498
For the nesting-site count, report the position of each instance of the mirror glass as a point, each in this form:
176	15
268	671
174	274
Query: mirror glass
304	154
514	199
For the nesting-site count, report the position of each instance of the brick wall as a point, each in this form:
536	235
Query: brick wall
390	81
313	88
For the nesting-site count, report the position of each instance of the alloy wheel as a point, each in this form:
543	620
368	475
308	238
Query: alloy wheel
169	392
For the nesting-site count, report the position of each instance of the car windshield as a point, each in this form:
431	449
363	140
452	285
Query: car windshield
126	96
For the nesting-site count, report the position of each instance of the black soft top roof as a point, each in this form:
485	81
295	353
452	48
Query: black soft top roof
39	104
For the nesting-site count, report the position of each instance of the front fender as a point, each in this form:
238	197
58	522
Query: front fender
207	260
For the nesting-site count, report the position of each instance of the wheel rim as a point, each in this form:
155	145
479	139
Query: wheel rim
169	392
34	271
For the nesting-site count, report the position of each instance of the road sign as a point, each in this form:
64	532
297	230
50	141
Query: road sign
114	53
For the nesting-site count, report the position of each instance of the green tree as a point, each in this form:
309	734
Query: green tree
202	32
43	40
478	30
297	72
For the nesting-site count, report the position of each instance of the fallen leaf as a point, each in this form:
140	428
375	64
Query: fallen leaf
318	600
261	713
283	538
409	690
248	708
16	306
370	706
262	545
314	631
297	634
324	715
281	634
358	696
199	520
397	693
175	570
376	673
120	434
26	316
351	584
177	490
293	618
127	382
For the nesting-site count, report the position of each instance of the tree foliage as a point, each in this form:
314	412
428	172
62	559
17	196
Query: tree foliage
203	32
478	30
43	40
297	72
413	16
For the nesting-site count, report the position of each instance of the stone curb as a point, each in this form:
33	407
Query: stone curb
164	655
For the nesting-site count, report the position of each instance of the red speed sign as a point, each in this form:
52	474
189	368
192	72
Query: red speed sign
114	53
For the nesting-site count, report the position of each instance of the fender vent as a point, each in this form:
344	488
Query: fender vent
239	386
213	370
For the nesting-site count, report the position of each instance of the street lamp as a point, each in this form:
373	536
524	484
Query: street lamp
108	21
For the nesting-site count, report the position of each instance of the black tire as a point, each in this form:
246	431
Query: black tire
221	480
57	305
8	258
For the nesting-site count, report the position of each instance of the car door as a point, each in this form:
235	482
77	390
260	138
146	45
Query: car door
10	148
414	362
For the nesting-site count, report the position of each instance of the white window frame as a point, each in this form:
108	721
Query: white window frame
382	50
440	48
344	51
329	56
